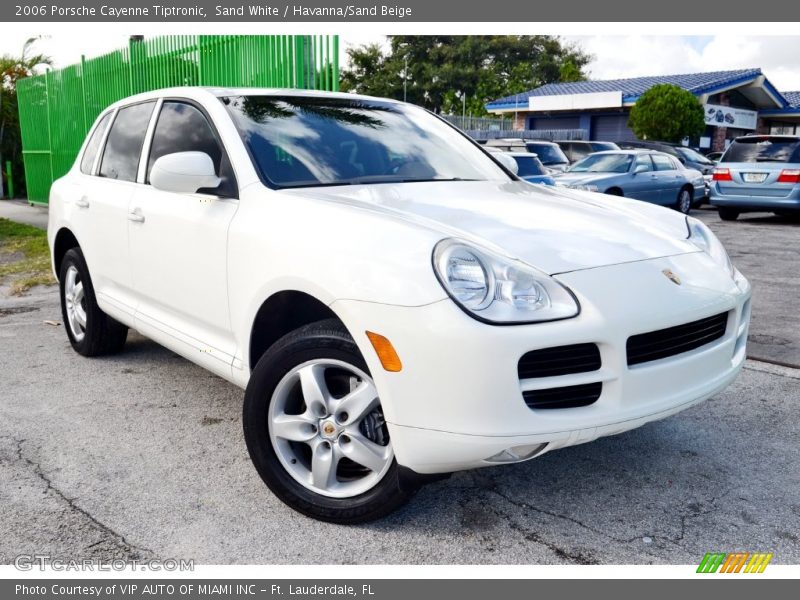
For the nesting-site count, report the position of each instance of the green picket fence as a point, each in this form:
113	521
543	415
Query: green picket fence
57	108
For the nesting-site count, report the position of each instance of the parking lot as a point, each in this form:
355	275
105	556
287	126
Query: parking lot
142	455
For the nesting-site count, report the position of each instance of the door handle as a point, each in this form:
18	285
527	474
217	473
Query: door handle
136	216
82	203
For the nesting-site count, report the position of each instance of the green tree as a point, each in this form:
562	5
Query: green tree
448	74
667	113
12	69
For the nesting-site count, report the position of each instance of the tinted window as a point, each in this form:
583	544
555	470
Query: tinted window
663	163
644	160
763	149
579	151
302	141
528	166
549	154
124	143
87	162
694	156
182	127
603	163
600	146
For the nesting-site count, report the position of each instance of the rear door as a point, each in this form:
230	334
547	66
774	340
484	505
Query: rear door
179	244
101	209
669	179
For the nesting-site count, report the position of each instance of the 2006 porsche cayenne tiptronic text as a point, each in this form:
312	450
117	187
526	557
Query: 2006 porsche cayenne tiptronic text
395	302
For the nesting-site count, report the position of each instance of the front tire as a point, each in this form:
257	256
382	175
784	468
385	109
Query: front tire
728	214
90	331
315	430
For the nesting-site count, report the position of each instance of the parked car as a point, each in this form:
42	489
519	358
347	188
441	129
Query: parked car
531	169
575	150
641	174
549	153
714	156
689	157
758	173
396	304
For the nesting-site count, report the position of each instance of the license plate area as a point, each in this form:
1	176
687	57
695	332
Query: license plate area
754	177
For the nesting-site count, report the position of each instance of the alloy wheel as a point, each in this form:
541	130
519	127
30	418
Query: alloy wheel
75	301
328	430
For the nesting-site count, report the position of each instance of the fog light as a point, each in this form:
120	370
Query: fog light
517	453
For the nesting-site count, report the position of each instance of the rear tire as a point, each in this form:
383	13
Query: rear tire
684	202
90	331
614	192
321	360
728	214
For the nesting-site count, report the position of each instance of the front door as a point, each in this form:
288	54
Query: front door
179	246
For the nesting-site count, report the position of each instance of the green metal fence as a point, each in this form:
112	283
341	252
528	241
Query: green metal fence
57	108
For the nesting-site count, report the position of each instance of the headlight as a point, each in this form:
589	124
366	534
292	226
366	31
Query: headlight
585	188
702	237
498	289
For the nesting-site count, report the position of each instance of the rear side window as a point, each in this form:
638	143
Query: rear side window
643	160
87	162
181	127
663	163
124	143
547	153
763	149
529	166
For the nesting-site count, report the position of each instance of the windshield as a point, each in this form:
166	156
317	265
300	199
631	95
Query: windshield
763	149
528	166
302	141
603	163
549	154
693	156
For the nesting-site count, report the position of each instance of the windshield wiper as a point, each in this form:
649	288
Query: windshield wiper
304	184
385	179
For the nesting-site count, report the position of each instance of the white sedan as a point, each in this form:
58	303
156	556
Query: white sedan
396	303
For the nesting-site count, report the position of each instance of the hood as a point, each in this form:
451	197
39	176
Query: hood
585	178
552	229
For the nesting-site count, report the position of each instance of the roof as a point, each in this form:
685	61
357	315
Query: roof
793	98
200	93
697	83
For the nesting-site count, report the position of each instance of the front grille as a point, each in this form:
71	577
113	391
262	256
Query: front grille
655	345
561	360
571	396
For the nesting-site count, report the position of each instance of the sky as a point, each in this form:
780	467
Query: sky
614	56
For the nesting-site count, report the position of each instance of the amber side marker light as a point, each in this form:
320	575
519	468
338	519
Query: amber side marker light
385	351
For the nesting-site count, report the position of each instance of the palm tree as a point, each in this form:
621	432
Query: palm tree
12	69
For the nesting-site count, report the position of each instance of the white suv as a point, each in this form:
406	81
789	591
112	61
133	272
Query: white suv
396	303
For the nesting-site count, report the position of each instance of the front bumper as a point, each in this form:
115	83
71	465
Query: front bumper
458	399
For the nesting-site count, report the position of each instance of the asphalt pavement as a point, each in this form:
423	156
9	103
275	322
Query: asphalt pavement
141	455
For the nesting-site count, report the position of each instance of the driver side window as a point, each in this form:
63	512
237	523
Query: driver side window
183	128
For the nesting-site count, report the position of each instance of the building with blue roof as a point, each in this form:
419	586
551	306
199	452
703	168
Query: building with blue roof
735	102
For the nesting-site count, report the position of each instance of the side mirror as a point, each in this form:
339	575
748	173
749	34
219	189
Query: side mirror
507	161
184	173
640	169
